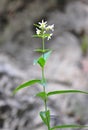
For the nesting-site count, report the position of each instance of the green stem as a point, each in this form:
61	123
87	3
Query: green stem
44	89
43	46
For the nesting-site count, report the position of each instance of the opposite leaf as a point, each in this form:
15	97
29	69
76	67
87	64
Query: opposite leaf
41	50
27	84
45	116
42	95
47	54
40	61
65	91
68	126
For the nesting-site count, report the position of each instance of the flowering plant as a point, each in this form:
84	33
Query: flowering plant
44	31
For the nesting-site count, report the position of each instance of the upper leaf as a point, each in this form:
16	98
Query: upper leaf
42	51
41	62
42	59
26	84
47	54
36	35
37	25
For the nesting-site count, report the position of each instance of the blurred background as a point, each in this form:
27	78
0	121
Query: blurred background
67	67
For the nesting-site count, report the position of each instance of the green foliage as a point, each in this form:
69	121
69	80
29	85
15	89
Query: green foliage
68	126
45	116
42	51
27	84
46	55
42	95
65	91
84	45
42	59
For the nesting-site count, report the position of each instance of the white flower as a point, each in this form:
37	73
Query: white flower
49	37
38	31
43	30
50	27
43	24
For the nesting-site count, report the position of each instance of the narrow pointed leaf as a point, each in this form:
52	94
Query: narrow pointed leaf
48	117
45	116
35	61
42	51
36	25
37	36
46	35
68	126
47	54
26	84
65	91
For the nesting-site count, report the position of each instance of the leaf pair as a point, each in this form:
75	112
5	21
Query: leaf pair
45	35
44	95
42	59
42	51
45	116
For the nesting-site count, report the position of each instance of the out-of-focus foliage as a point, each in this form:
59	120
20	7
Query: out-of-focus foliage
84	45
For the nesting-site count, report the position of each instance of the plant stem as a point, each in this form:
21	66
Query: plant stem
44	89
43	45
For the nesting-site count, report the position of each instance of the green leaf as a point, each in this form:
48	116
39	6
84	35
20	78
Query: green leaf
48	117
45	35
35	61
26	84
37	36
45	116
42	51
65	91
41	62
42	95
36	25
68	126
42	59
46	55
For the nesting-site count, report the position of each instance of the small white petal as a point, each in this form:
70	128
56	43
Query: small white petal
49	37
43	24
50	27
38	31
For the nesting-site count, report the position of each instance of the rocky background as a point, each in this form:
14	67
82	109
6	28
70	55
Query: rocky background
66	68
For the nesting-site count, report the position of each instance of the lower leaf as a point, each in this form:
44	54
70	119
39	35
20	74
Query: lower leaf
45	116
68	126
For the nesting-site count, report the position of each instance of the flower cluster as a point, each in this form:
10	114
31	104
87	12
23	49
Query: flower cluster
43	30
